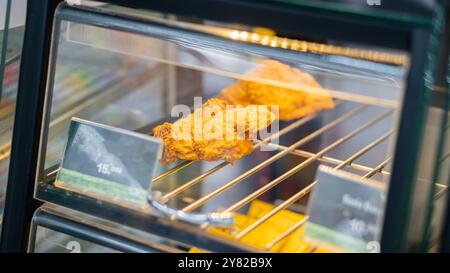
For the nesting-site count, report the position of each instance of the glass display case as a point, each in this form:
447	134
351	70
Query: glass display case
358	106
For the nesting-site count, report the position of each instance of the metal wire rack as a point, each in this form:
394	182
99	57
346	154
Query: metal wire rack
282	151
294	149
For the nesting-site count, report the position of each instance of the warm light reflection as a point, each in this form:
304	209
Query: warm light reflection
234	35
243	35
304	46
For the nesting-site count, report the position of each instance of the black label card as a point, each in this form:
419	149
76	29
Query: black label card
109	163
344	211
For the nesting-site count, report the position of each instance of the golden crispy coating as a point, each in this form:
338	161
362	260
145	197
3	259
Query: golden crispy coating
215	131
292	103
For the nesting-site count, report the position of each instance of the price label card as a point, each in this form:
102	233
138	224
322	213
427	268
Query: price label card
345	212
109	163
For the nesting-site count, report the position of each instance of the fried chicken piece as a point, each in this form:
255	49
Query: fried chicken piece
215	131
292	103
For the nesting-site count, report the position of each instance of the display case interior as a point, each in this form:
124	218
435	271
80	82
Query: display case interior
131	72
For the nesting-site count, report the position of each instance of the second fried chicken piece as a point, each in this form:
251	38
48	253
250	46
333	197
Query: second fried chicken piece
293	103
213	132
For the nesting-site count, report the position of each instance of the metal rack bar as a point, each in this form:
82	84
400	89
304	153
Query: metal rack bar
364	150
349	162
378	168
173	170
211	171
444	157
5	151
193	182
265	163
441	192
277	209
287	233
311	249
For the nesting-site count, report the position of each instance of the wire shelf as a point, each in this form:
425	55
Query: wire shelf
282	151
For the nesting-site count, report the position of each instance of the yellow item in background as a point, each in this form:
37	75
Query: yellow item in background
264	31
267	231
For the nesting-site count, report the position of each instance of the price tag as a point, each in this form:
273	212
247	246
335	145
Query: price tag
345	212
109	163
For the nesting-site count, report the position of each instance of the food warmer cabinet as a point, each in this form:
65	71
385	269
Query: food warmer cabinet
126	64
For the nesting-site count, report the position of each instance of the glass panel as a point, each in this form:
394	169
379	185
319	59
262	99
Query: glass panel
50	241
440	194
437	158
118	70
431	193
432	182
11	38
133	81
